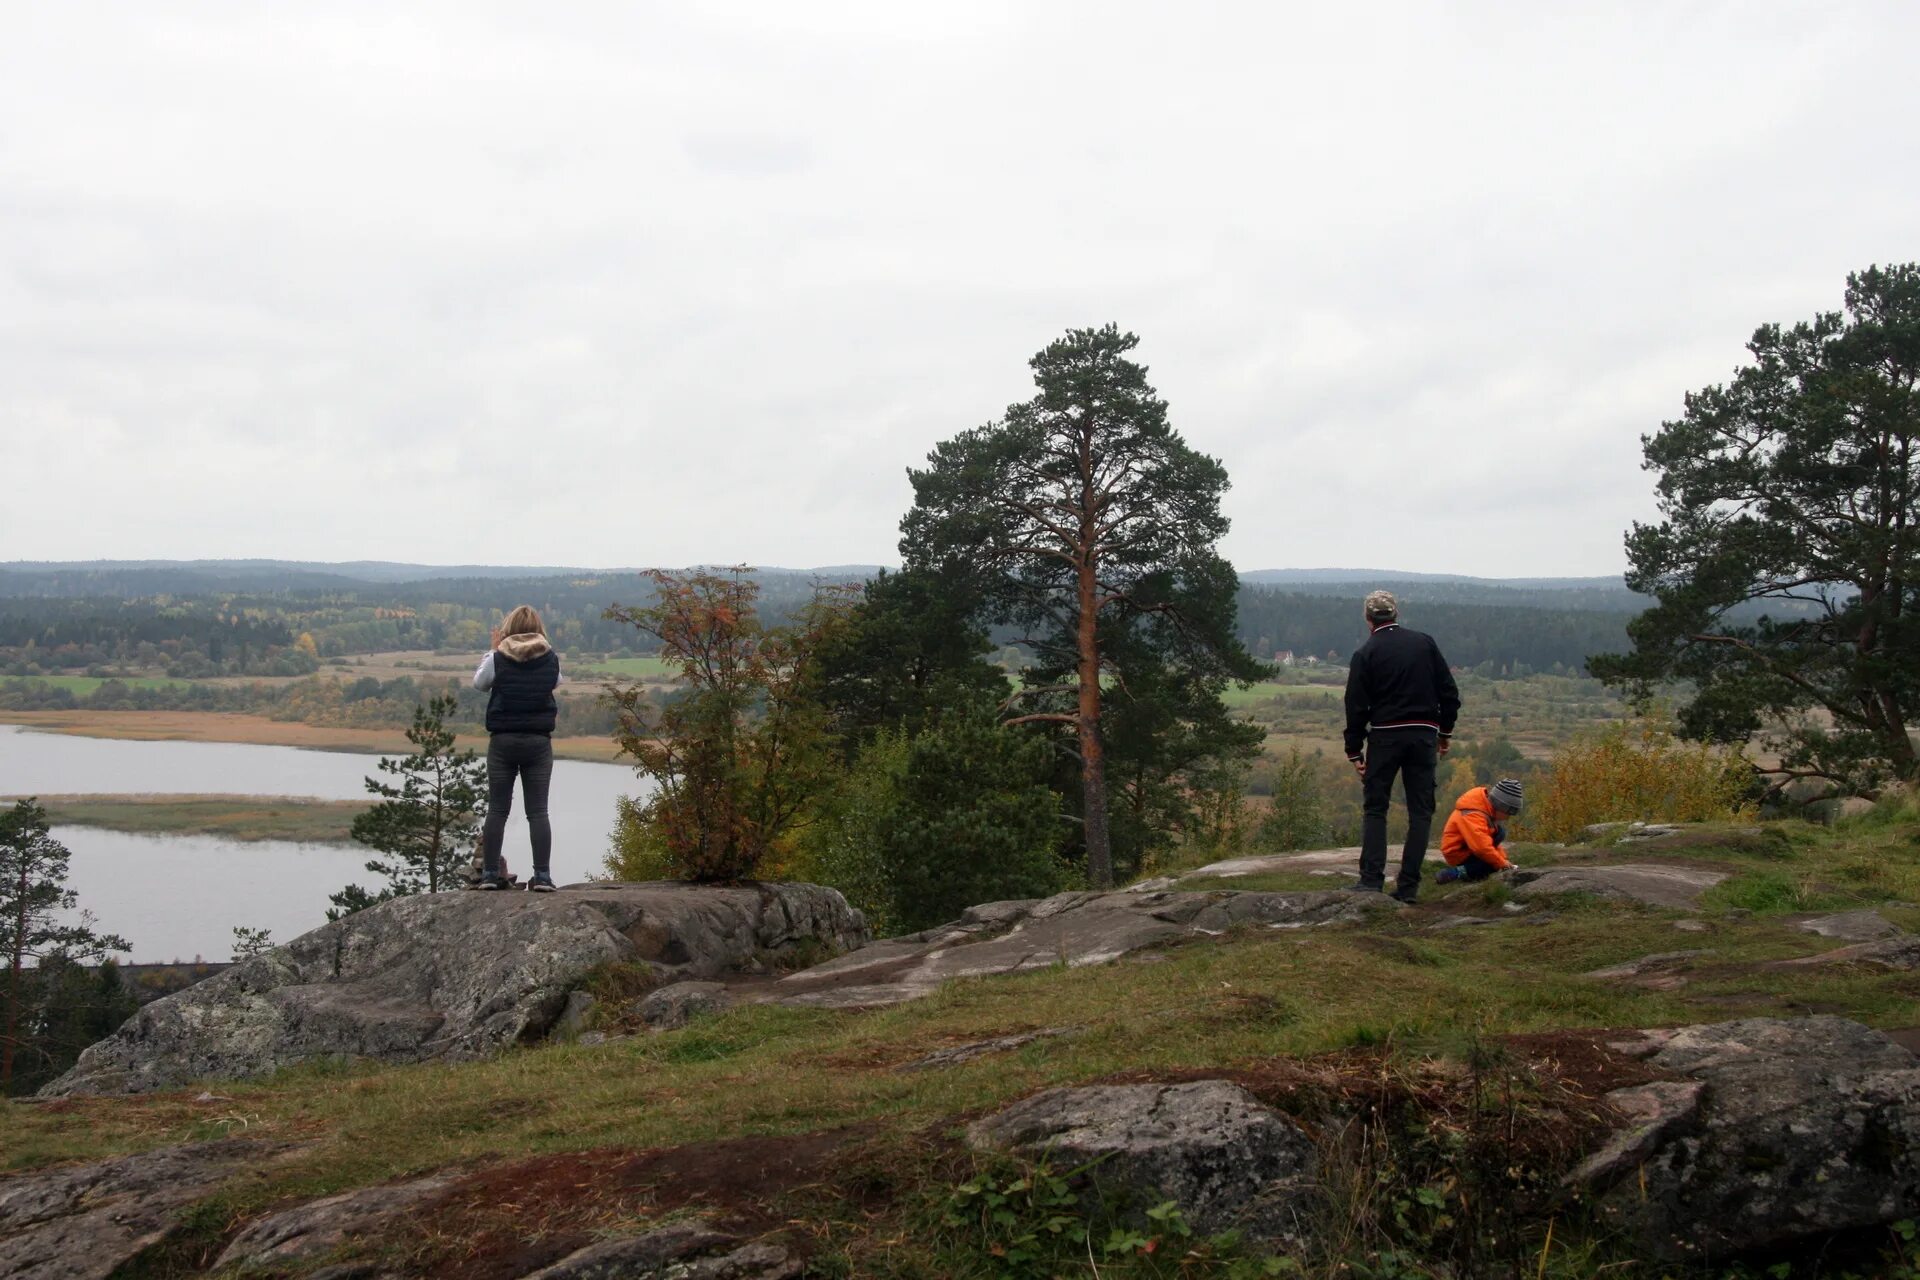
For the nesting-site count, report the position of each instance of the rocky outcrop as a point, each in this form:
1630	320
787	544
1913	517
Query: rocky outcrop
679	1003
1770	1131
321	1226
1852	926
1209	1146
1070	929
86	1222
1899	953
449	976
1646	883
681	1251
1333	863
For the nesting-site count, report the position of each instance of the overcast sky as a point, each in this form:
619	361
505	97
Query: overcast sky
658	284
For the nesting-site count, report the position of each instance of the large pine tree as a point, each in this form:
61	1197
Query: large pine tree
1091	526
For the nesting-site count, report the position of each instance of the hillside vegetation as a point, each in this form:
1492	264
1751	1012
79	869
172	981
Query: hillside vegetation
1465	1056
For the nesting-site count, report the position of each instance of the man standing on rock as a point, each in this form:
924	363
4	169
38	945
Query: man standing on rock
1401	705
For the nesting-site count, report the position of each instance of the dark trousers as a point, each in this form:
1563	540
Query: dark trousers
1474	869
529	756
1412	755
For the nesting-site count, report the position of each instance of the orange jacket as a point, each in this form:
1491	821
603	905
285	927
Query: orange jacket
1473	830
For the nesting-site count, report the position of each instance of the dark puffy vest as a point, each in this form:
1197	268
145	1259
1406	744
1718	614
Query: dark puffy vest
521	700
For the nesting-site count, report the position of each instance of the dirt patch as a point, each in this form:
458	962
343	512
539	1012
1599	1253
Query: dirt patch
508	1219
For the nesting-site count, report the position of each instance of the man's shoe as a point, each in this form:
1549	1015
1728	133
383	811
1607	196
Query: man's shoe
1363	886
541	884
494	882
1408	896
1447	875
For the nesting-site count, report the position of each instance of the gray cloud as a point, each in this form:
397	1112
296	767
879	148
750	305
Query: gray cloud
614	284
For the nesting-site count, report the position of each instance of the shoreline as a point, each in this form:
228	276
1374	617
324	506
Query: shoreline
242	818
224	726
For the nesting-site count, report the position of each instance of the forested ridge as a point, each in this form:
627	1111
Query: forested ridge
248	618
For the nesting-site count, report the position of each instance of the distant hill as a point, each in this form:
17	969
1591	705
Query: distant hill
81	579
1596	595
1304	577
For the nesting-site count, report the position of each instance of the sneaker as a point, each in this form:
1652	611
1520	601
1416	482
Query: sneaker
1447	875
494	882
541	884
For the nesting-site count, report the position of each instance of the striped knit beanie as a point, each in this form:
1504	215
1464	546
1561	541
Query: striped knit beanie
1507	794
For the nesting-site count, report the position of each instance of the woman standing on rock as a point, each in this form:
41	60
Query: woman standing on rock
519	674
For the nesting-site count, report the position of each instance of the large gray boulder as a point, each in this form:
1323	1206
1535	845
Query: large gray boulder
1209	1146
1068	929
450	976
1767	1131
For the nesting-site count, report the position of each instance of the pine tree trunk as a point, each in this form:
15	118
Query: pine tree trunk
1093	760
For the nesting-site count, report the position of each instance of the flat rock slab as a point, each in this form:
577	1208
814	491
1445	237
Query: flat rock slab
449	976
1651	884
1797	1127
1852	926
321	1226
1209	1145
84	1222
1071	929
682	1251
1659	971
954	1055
1900	954
1308	862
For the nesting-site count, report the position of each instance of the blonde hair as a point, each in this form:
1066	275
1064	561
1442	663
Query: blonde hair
523	621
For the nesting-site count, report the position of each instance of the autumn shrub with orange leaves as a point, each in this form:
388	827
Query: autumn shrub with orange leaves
1637	771
741	750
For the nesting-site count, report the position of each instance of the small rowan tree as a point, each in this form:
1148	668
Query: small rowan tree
738	755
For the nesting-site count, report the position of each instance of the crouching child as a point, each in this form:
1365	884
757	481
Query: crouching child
1474	842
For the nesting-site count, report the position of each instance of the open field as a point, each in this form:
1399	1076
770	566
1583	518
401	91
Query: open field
84	686
1391	1015
1275	691
645	668
214	726
292	818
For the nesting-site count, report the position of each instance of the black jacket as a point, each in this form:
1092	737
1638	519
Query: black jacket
1398	680
521	699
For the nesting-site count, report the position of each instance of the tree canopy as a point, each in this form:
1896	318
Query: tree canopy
40	922
1793	487
427	825
1090	526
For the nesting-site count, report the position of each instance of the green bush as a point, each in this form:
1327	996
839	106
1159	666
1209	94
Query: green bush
970	821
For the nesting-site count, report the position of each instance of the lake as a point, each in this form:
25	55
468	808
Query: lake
177	897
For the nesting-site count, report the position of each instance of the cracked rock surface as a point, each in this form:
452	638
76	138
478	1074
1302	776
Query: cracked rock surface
85	1222
1209	1145
1775	1130
448	976
1070	929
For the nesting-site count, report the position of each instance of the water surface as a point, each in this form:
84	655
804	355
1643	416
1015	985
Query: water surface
175	897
